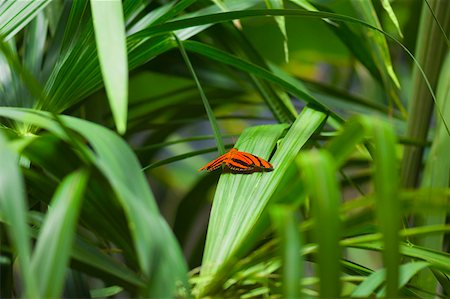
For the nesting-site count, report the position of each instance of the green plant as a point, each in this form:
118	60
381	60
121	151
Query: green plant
356	205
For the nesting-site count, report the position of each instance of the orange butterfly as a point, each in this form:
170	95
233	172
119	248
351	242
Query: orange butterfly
238	161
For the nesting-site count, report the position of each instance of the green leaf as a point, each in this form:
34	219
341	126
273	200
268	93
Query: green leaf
319	174
278	4
406	272
376	279
377	41
437	259
436	172
231	223
342	146
286	226
105	292
211	117
14	15
380	51
112	53
386	184
158	253
34	45
54	244
248	67
388	8
87	257
353	41
13	210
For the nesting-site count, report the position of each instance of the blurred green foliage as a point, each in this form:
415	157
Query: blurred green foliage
347	99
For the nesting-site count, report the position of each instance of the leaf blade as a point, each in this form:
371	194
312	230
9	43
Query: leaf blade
109	27
54	244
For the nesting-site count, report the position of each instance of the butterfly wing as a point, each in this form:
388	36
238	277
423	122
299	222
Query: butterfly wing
260	163
238	161
214	164
246	162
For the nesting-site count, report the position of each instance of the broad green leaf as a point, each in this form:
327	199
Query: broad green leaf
157	251
14	15
109	29
319	174
54	244
231	202
13	210
231	223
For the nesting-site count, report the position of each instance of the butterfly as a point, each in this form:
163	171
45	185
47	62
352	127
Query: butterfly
240	162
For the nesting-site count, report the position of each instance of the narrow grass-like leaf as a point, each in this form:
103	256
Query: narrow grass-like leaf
105	292
436	173
248	67
343	145
406	272
209	111
14	15
437	259
386	185
27	79
86	256
34	45
287	228
430	52
388	8
278	4
229	16
112	53
231	221
13	209
377	41
444	280
54	245
352	40
376	279
319	173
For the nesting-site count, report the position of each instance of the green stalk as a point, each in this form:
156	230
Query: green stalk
431	48
436	174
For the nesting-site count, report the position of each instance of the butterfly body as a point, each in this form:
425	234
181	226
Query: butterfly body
238	161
